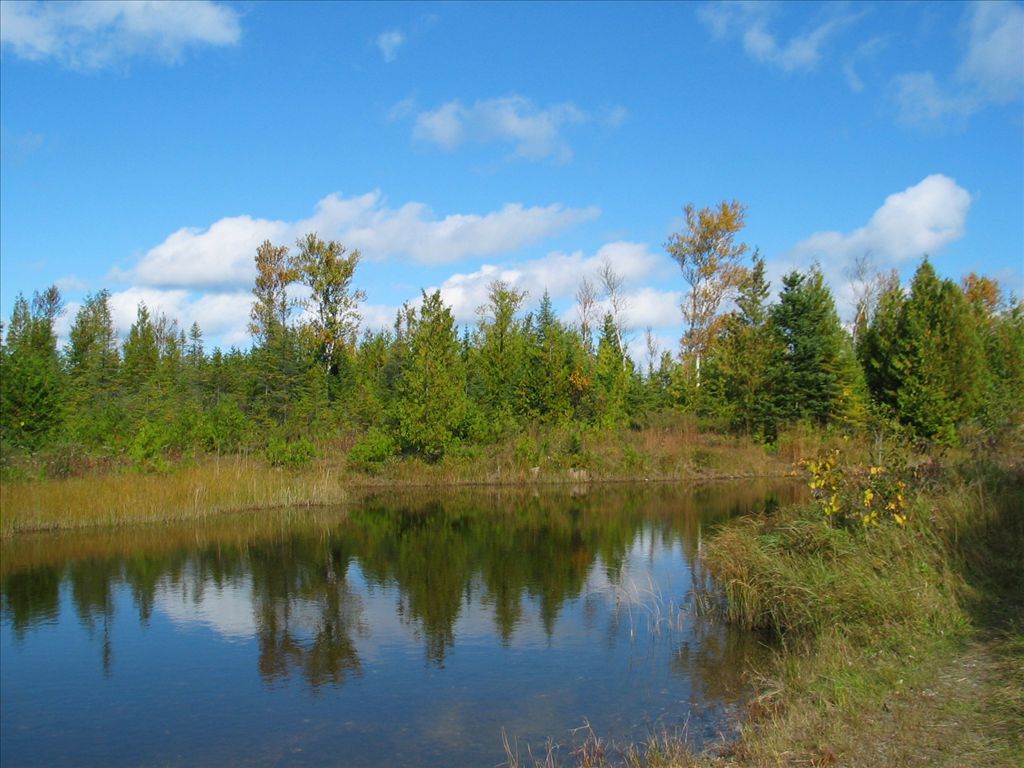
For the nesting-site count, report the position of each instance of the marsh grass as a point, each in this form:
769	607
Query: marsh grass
587	749
884	632
191	492
112	494
895	646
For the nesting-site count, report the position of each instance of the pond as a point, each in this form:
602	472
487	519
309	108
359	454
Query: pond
406	630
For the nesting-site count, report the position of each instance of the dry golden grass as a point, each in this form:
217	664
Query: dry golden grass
201	490
671	452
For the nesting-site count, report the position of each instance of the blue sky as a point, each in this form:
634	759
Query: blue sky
149	148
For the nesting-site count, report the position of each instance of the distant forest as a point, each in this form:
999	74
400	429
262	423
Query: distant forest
933	358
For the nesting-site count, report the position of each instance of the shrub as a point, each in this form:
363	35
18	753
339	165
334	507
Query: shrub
855	494
291	454
223	431
147	448
372	449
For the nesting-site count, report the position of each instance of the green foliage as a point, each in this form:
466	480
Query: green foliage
32	385
817	376
330	333
499	359
877	349
372	449
224	428
149	446
940	361
1002	332
743	368
95	407
431	404
865	496
613	377
290	454
939	358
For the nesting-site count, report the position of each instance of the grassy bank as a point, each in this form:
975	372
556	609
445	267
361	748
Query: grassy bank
897	642
897	645
122	493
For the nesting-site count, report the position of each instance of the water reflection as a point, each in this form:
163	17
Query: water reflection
527	598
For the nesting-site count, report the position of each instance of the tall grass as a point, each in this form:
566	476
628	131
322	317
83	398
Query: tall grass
120	495
865	616
196	491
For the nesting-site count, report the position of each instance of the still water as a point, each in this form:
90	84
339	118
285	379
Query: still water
407	630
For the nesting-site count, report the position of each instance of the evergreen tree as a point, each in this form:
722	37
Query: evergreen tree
31	380
613	377
431	403
498	371
95	413
877	348
141	355
554	353
939	357
743	363
1004	352
818	378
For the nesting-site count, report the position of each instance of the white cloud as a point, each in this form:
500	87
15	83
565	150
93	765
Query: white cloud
223	317
990	73
560	274
389	43
205	275
920	220
221	256
124	305
616	116
994	64
535	133
864	52
96	34
922	101
751	22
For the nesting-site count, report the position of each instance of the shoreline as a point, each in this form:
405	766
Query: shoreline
208	486
352	492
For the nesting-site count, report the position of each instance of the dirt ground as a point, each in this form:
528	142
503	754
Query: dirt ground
970	714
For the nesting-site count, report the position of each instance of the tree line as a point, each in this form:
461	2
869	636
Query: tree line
933	356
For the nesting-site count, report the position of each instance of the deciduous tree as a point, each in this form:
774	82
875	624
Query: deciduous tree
710	260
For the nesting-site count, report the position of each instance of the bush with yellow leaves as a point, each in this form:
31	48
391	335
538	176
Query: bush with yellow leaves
856	494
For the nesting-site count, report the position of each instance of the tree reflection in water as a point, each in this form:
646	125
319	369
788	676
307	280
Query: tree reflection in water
501	550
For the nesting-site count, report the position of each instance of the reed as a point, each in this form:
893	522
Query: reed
192	492
878	626
117	495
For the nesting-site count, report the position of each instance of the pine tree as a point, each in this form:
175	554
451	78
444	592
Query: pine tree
32	383
498	371
431	403
95	411
553	352
613	377
939	358
877	348
742	367
818	378
141	355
